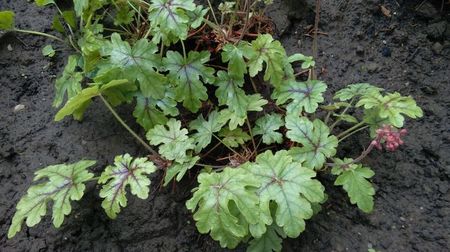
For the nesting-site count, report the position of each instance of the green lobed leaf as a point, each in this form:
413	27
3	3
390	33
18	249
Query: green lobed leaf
6	20
187	75
392	106
80	6
170	18
269	241
64	182
179	169
267	126
147	114
234	55
307	61
255	103
115	179
70	81
136	62
290	185
317	143
303	95
224	204
173	139
230	93
234	138
355	90
266	50
206	129
354	179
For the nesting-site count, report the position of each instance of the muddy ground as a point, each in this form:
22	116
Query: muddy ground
407	52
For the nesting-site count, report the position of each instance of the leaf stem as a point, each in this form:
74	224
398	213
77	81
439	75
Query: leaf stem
343	113
184	49
356	126
353	132
211	9
251	134
231	149
139	139
39	34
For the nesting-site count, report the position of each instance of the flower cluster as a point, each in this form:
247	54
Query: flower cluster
390	137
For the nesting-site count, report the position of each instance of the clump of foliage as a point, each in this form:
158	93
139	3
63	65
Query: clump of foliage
214	92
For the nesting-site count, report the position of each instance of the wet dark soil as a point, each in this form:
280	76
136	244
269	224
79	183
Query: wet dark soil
407	52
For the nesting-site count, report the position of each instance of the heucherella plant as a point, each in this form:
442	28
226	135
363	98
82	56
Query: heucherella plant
216	93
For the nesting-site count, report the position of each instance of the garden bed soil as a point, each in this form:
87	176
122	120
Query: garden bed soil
408	52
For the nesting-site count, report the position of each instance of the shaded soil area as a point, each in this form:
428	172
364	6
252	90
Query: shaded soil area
408	52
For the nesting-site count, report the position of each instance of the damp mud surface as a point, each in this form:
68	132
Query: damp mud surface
407	52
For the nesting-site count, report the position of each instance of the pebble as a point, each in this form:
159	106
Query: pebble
9	47
19	107
386	51
437	48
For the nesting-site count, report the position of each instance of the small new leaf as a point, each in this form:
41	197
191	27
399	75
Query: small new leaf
270	241
65	182
267	126
213	208
304	95
115	179
317	143
173	139
354	179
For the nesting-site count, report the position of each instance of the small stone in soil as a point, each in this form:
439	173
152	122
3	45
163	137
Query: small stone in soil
19	107
386	51
437	48
9	47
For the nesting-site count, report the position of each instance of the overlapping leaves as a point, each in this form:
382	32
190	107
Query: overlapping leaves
267	126
392	106
64	182
317	143
125	172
